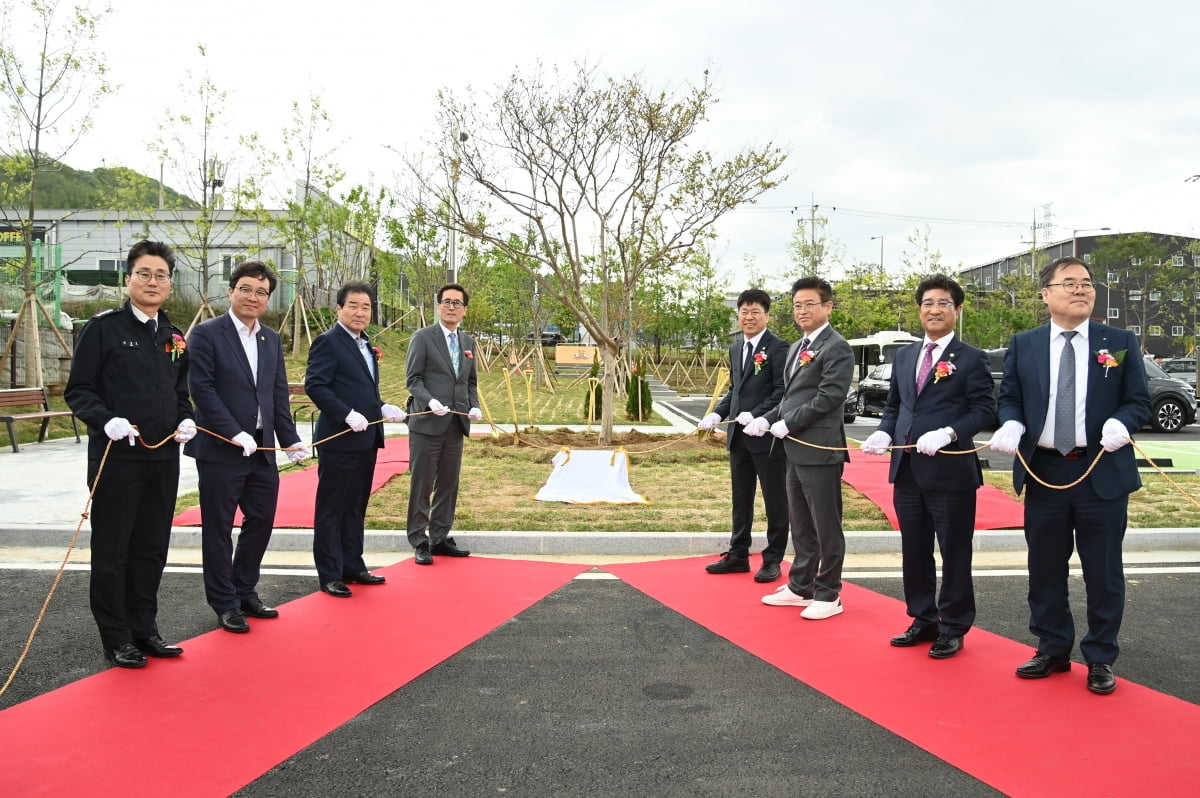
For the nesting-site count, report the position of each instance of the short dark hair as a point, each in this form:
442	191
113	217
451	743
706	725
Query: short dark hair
354	287
454	287
256	269
755	296
150	248
947	284
818	284
1050	269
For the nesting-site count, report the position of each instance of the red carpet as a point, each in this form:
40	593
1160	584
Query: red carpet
1024	738
297	489
868	474
179	717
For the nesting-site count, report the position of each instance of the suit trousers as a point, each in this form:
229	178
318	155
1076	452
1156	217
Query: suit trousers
815	506
1056	522
748	470
231	576
343	490
131	514
949	517
435	461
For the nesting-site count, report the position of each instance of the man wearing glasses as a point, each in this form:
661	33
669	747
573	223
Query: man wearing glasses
1073	390
441	377
941	395
128	381
816	380
756	362
239	384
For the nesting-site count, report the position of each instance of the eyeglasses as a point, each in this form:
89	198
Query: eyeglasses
1071	286
945	304
452	303
753	314
157	277
247	292
806	305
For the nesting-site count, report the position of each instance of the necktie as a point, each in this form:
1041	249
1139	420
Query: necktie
804	342
366	353
926	367
452	342
1064	401
747	355
152	326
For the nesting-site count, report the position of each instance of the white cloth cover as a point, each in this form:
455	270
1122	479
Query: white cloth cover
590	477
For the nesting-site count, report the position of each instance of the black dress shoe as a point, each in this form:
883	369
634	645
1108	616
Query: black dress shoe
447	549
256	609
1100	678
1042	665
768	573
946	646
125	655
422	556
155	647
336	588
233	621
914	635
728	564
365	578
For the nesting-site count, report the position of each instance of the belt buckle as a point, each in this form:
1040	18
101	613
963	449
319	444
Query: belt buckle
1074	454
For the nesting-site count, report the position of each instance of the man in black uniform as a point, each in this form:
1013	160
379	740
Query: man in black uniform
129	380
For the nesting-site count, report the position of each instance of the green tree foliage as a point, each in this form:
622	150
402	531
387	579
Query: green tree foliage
813	252
638	400
65	188
1142	269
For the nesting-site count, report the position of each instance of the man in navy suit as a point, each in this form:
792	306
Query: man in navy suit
941	395
756	361
441	376
1073	390
239	384
343	381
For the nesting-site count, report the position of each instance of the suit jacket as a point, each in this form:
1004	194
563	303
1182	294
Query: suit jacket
751	392
430	375
338	381
814	398
1122	393
228	398
964	400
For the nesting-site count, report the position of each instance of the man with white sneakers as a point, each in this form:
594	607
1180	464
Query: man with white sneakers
816	380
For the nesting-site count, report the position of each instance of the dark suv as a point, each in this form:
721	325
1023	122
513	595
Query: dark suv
1172	401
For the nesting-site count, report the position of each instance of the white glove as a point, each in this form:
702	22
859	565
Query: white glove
393	414
757	427
931	441
709	421
246	441
118	428
438	408
780	429
1113	435
745	417
356	421
877	442
299	451
1006	439
185	431
475	414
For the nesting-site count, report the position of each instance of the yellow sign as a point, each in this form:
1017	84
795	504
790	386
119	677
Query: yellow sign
565	355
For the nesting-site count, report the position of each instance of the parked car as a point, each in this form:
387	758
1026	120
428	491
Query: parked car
549	338
1181	368
850	408
1172	401
873	390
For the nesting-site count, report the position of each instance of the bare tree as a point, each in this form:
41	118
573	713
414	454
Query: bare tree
603	172
53	80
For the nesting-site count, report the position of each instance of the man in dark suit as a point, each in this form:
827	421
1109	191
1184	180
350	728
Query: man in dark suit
1071	389
239	384
441	377
128	380
756	362
941	395
342	379
816	380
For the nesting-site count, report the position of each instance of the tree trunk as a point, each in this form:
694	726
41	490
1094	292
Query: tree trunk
33	344
608	354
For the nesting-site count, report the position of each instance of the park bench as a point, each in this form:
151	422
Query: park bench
30	397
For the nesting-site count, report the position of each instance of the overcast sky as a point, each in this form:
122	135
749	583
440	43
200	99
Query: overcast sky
967	116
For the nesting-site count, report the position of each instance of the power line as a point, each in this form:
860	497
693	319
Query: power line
792	209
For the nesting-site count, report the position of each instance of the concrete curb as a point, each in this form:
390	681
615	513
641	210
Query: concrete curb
606	543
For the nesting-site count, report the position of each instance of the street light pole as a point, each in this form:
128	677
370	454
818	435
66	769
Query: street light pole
880	252
1075	237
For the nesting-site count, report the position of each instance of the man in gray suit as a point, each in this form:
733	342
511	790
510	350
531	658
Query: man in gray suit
816	381
441	378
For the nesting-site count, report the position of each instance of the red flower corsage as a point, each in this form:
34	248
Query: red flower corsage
759	359
175	347
378	352
467	354
944	368
806	357
1110	360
